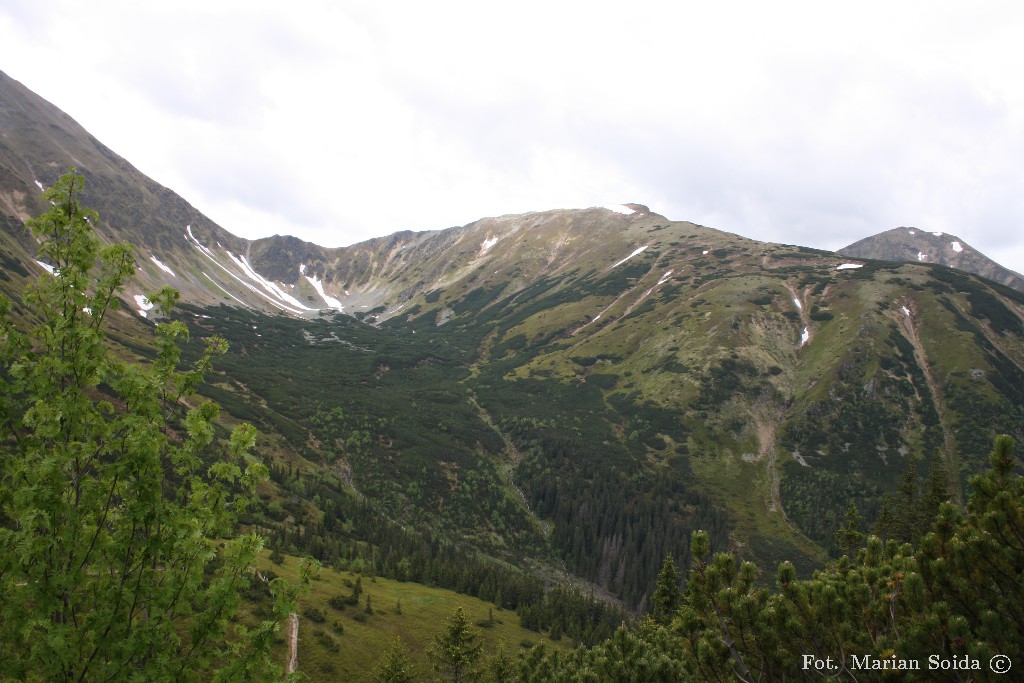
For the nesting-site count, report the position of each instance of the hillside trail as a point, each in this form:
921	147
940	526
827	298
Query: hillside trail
766	442
293	642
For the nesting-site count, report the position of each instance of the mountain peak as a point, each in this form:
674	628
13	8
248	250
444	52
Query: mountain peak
918	245
628	208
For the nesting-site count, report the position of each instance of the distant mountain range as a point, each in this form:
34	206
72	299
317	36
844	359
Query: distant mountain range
571	391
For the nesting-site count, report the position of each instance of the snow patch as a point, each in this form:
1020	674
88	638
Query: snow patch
938	234
39	185
956	247
922	257
906	311
705	252
635	252
848	266
144	304
47	267
162	267
271	287
209	254
224	290
487	244
619	208
796	302
319	287
805	336
199	245
302	269
665	277
911	232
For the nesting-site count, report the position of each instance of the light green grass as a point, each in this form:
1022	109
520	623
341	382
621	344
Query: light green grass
424	613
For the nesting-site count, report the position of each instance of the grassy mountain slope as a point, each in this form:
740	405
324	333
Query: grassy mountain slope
344	642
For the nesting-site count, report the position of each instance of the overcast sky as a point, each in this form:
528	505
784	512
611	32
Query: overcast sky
814	123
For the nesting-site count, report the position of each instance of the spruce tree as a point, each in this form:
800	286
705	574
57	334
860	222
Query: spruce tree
394	666
907	524
936	491
500	668
110	491
885	523
850	537
456	650
666	592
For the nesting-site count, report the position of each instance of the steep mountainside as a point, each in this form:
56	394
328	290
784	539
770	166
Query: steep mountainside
920	246
570	391
584	406
38	143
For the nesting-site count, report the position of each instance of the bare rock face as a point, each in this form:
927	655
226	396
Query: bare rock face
920	246
278	258
639	208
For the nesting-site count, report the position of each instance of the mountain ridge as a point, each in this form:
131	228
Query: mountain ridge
38	142
206	259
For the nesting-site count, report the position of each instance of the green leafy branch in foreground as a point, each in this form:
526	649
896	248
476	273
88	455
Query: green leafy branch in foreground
954	600
110	494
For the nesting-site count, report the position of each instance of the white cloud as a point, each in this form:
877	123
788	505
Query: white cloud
804	122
